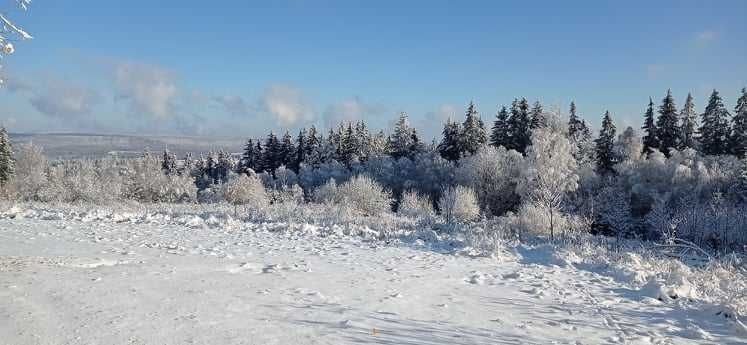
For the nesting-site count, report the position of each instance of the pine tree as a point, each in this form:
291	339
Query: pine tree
714	130
271	155
313	142
739	126
7	163
223	165
473	132
687	124
448	148
537	116
518	125
499	135
168	163
668	129
650	138
605	145
348	146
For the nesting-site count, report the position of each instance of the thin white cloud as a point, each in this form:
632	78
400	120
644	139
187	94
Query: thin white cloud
703	38
64	100
286	105
348	110
432	123
148	89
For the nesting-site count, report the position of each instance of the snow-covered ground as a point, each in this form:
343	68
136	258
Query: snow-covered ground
66	281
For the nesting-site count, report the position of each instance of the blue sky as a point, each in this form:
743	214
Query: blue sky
239	68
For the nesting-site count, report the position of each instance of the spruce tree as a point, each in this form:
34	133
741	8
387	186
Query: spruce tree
537	116
249	157
7	163
518	125
650	138
667	126
739	126
714	130
687	124
271	155
362	141
473	132
605	145
448	148
574	124
499	135
313	142
348	146
400	142
287	154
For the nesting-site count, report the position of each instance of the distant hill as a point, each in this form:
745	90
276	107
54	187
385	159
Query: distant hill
81	145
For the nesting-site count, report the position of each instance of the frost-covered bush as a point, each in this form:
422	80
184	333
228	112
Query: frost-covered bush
415	205
364	195
459	204
146	182
246	190
326	193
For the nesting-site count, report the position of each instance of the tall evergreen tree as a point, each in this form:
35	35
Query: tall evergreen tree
575	126
667	126
500	135
714	129
518	124
271	155
537	116
362	141
687	123
605	145
400	142
301	149
7	163
287	154
348	146
473	131
313	142
739	126
249	157
650	138
448	148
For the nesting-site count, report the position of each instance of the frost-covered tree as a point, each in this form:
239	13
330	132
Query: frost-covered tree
650	137
714	129
7	163
31	175
688	118
628	146
287	153
272	156
575	126
493	173
250	158
10	32
449	145
473	134
499	135
459	204
738	138
550	170
667	125
605	145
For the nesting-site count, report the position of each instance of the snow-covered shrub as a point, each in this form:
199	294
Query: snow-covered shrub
146	182
459	204
364	195
246	190
415	205
326	193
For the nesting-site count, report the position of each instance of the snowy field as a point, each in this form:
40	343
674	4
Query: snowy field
116	281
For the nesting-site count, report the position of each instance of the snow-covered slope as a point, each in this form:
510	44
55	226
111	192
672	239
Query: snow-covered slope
72	282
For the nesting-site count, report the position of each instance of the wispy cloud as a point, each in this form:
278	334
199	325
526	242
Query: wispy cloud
705	37
148	89
286	105
64	100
